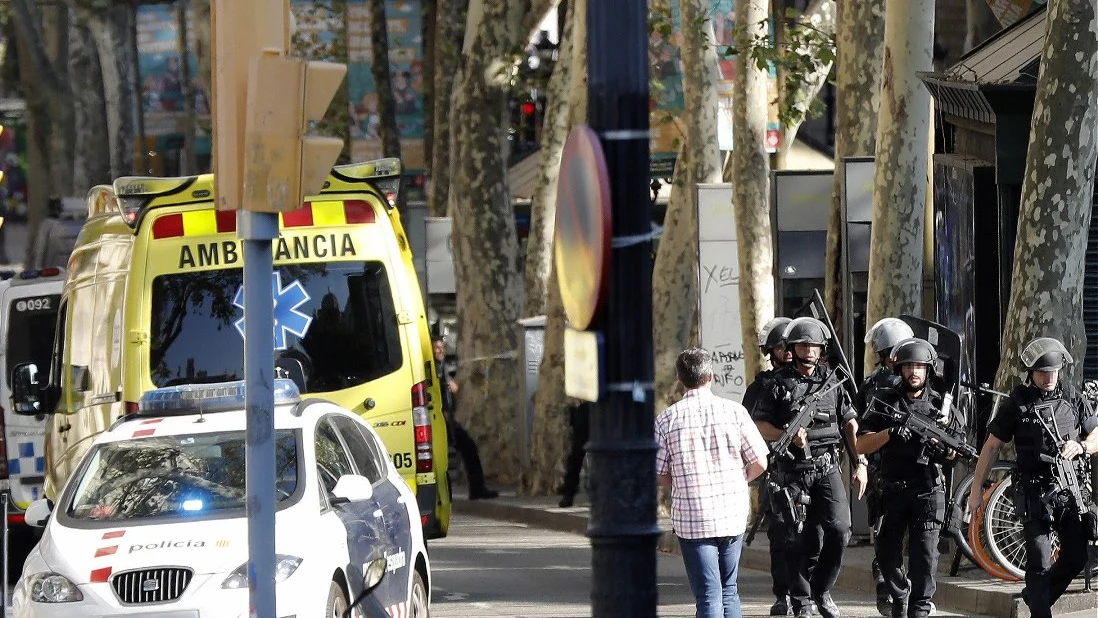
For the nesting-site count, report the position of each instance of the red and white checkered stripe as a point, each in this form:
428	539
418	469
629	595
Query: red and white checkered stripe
399	610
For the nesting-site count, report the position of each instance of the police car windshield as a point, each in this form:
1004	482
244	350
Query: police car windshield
31	324
337	319
192	476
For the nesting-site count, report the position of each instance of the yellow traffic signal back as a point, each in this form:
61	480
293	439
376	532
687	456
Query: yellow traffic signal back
282	164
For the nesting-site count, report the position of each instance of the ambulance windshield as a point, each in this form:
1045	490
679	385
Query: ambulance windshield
192	476
338	319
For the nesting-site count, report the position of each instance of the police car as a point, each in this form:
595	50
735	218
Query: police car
153	520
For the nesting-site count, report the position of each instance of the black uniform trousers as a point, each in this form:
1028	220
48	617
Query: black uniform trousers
470	455
816	553
780	544
916	509
1045	581
579	419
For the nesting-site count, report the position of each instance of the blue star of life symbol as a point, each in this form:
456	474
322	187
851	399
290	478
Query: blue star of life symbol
287	317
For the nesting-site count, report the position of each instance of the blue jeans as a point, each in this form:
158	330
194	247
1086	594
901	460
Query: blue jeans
712	567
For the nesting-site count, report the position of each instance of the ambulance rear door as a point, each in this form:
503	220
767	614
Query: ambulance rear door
30	304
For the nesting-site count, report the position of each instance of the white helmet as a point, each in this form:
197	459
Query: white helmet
886	333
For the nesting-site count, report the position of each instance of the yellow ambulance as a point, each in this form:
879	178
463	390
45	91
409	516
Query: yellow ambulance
153	299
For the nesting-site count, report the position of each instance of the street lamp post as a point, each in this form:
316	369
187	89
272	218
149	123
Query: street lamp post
623	528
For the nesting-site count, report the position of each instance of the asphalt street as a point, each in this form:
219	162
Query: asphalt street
488	568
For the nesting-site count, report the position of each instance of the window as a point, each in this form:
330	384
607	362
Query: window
192	476
331	460
366	458
29	321
346	318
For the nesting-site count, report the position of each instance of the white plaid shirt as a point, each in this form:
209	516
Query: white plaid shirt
705	443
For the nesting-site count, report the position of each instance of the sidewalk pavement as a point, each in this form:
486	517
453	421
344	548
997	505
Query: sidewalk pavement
971	591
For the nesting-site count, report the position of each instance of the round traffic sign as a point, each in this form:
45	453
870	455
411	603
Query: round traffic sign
582	237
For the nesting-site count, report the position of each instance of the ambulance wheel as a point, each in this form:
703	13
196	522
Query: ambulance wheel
337	601
419	597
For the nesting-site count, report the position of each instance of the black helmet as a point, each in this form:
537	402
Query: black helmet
886	333
1045	354
770	336
913	350
806	330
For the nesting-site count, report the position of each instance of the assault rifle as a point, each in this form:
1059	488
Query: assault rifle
928	430
804	414
1067	479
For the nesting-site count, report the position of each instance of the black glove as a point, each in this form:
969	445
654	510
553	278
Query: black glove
899	433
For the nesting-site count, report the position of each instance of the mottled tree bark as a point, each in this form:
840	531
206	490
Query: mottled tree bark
859	48
675	272
113	30
489	286
449	30
383	82
551	437
751	186
91	164
1057	192
900	180
543	203
674	280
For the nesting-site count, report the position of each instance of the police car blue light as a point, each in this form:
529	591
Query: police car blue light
203	398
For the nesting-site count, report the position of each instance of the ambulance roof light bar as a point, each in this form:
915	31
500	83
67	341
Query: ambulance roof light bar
206	398
384	174
135	192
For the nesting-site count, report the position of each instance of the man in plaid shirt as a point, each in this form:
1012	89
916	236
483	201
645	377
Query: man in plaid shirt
708	451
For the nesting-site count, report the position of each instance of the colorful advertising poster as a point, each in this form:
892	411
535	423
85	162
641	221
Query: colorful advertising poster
158	56
405	33
667	99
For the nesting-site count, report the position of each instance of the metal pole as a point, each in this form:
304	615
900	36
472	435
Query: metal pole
257	230
6	497
622	451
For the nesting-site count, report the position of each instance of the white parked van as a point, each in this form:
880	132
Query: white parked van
28	319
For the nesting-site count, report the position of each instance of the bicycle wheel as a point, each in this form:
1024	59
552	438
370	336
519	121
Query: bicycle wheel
958	515
1003	530
979	543
1006	539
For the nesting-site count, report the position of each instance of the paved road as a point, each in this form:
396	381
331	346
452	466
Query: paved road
488	568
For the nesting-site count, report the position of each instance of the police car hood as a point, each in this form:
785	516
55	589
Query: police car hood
211	546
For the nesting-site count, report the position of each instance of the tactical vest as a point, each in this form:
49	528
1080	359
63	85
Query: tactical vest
791	387
882	380
1058	410
899	460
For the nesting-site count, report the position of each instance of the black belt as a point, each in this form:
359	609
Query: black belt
888	485
822	462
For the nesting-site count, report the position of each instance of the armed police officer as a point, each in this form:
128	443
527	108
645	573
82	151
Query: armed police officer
881	338
807	489
773	347
912	483
1053	430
